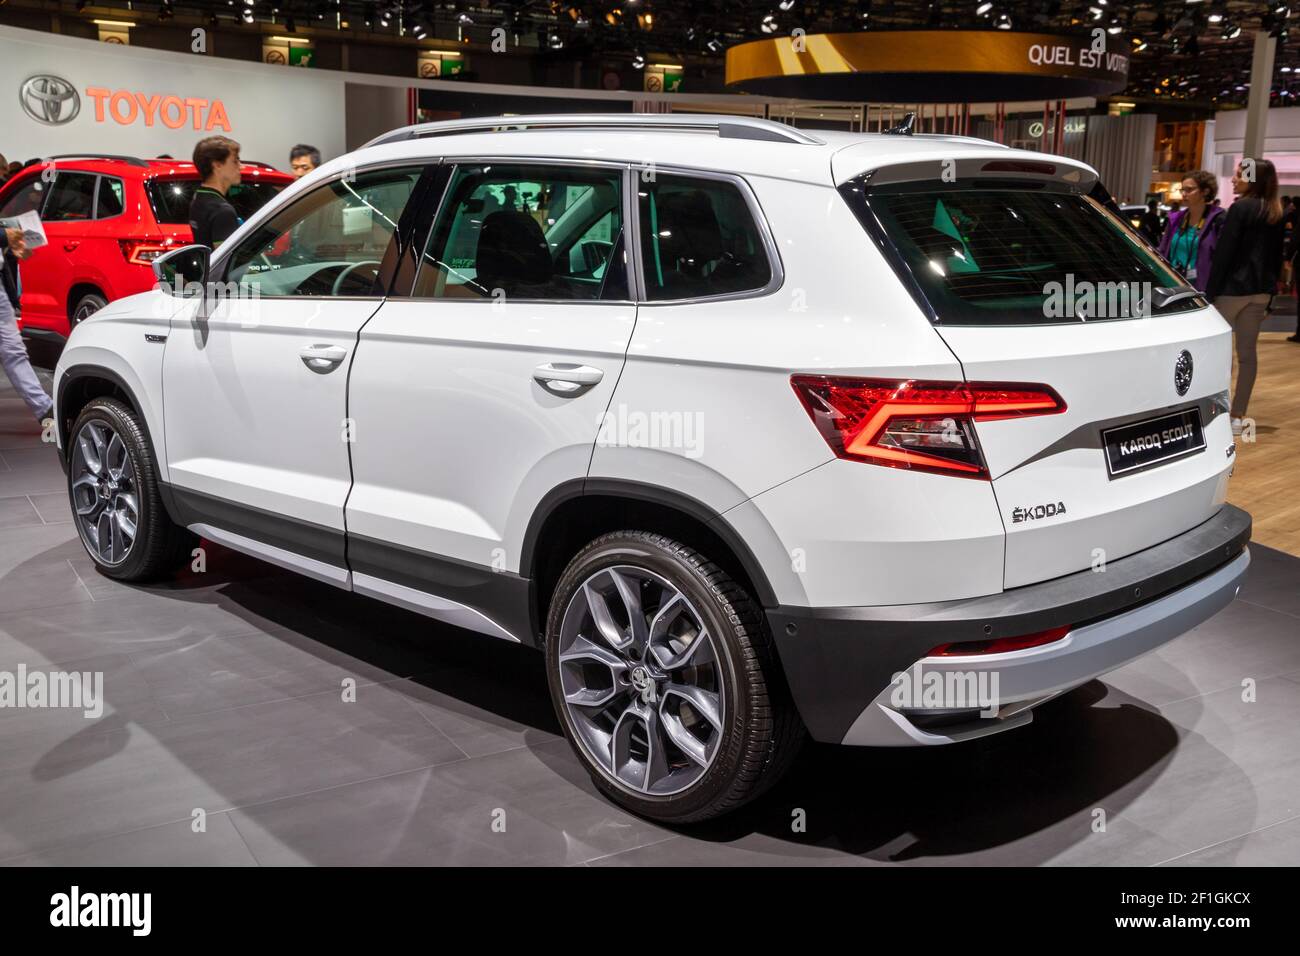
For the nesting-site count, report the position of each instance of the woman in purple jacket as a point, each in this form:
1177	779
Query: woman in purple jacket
1190	237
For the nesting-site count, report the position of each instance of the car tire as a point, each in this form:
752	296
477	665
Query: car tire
725	728
86	306
113	487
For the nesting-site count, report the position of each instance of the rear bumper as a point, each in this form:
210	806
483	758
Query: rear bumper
842	662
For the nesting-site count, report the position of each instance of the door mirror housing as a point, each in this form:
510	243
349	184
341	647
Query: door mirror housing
179	270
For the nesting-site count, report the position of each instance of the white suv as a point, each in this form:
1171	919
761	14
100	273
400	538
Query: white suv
753	431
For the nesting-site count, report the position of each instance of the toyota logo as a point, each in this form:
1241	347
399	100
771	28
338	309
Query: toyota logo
1183	372
51	100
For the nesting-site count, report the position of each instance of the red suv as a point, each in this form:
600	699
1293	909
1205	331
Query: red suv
108	218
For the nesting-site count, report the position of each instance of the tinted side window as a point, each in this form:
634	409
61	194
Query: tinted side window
170	198
533	232
26	198
699	238
112	198
72	198
329	242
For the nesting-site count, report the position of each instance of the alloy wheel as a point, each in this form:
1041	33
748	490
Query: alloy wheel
641	680
87	307
105	497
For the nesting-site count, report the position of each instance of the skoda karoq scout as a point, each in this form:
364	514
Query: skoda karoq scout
756	433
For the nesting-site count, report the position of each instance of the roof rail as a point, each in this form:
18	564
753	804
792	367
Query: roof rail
727	127
133	160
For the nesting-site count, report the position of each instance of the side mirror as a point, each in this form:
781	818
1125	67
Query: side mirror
179	269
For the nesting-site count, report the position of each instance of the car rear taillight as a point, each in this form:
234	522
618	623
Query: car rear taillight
1001	645
927	426
142	252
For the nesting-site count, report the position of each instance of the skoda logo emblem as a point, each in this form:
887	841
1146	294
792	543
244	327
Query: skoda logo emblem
1183	372
48	99
643	684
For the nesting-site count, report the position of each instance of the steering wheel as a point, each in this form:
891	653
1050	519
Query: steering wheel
343	276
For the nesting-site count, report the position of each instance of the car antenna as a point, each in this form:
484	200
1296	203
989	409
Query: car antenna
904	128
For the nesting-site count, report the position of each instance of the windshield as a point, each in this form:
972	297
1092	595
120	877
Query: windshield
1000	253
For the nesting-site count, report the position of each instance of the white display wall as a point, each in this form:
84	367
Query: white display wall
92	96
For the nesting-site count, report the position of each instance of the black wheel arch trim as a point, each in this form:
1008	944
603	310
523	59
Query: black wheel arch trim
76	374
653	494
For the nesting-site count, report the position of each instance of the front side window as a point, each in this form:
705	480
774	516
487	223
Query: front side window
329	242
533	232
26	198
699	238
1019	253
72	199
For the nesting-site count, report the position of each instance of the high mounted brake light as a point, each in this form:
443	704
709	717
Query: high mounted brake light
928	426
1019	166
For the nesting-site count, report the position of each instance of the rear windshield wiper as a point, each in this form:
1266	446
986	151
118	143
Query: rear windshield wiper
1163	296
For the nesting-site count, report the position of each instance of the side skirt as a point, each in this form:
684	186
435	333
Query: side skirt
475	597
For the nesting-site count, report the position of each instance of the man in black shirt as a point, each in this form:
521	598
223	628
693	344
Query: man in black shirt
212	218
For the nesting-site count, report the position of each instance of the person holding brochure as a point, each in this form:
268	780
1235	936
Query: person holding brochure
13	353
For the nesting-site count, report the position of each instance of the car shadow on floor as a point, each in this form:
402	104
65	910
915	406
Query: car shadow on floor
1092	748
1083	752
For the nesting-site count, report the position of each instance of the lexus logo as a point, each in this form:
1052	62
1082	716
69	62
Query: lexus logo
1183	372
48	99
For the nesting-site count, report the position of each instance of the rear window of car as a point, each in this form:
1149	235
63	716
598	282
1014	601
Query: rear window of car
699	239
1017	253
171	197
72	198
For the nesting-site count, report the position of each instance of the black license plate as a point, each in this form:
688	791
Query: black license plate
1155	441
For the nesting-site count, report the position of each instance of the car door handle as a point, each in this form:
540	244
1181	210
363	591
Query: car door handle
323	358
563	378
70	246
